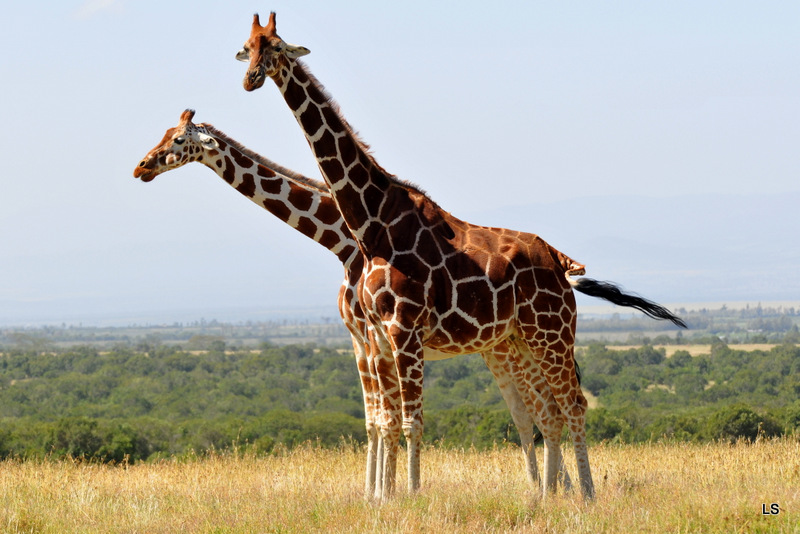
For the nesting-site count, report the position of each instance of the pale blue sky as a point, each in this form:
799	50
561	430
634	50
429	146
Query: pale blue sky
486	107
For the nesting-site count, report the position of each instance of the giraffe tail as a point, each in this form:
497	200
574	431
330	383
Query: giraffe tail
614	294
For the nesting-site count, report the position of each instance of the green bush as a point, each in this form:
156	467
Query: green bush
740	422
602	425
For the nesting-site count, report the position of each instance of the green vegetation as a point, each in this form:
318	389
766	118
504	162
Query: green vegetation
725	394
160	400
150	392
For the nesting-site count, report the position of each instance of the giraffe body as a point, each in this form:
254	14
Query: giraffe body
432	280
308	206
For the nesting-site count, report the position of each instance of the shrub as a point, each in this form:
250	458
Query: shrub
740	422
602	425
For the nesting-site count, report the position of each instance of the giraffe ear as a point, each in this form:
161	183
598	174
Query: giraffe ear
295	51
207	140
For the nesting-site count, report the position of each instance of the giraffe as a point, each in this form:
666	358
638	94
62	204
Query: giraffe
433	283
307	206
302	203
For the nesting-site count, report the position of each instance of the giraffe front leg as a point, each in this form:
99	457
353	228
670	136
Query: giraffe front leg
552	462
371	478
413	434
378	488
410	371
391	443
372	410
389	417
371	393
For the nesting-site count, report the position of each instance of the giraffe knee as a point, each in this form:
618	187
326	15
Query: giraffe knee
413	429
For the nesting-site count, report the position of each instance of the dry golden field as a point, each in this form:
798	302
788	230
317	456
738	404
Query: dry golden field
640	488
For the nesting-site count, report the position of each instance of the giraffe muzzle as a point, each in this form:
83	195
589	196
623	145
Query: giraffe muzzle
143	173
254	79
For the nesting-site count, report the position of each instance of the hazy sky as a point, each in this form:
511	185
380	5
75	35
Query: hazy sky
485	106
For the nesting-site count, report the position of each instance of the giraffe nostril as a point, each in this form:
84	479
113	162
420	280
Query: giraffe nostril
142	163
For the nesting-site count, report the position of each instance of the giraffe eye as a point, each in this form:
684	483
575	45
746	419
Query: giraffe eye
179	140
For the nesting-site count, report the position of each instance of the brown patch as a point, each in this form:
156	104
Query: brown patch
264	172
299	73
277	208
316	95
548	321
559	347
229	173
241	160
373	198
444	290
544	302
306	227
408	264
347	149
329	239
378	177
384	304
332	169
476	300
505	302
546	278
272	187
248	185
222	144
351	206
460	330
372	235
294	95
347	252
325	146
428	249
403	232
300	198
327	212
311	120
333	120
358	175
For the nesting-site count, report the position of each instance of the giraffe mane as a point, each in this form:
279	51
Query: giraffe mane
258	158
394	180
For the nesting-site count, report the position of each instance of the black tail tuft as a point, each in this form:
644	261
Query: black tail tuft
612	293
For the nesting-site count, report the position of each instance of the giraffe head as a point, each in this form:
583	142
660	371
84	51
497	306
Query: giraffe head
184	143
265	52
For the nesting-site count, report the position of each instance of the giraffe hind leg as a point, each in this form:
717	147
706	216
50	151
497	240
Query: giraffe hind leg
498	363
558	370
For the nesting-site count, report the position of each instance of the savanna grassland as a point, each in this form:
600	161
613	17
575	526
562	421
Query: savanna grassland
657	487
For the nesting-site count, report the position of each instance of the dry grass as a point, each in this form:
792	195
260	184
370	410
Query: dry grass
642	488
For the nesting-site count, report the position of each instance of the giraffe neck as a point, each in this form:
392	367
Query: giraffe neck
303	204
358	184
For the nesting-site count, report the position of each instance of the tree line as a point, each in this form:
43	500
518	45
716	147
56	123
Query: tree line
152	400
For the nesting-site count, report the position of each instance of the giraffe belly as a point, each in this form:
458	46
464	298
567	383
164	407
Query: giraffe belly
430	354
